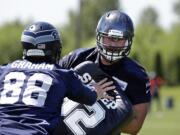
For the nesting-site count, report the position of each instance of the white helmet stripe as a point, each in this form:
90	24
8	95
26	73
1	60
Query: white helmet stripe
40	39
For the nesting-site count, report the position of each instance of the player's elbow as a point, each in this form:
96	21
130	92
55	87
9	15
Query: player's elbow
135	131
132	131
133	127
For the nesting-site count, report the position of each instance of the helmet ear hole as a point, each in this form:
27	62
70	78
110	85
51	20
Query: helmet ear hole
41	42
114	24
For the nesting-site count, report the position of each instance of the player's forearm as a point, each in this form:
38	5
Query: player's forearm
139	114
89	97
132	128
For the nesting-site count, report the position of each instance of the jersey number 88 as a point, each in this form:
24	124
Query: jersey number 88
20	88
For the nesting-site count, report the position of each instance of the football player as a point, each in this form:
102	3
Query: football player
105	117
114	37
32	89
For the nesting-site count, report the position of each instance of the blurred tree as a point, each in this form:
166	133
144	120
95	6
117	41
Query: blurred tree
153	47
10	48
172	58
152	42
148	35
135	56
158	65
91	11
178	67
177	8
149	16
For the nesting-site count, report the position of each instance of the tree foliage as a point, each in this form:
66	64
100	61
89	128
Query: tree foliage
177	8
155	48
10	47
91	11
149	16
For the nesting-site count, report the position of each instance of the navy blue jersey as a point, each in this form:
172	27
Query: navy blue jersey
105	117
31	96
131	76
102	118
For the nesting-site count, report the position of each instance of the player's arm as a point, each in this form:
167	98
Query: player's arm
139	115
141	102
87	94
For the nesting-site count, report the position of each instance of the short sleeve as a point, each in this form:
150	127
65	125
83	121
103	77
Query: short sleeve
140	91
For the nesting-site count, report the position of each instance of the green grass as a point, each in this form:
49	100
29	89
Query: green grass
167	121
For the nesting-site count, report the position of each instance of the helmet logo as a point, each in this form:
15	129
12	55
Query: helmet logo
32	27
115	33
55	35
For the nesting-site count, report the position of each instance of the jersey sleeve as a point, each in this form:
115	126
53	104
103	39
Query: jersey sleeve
69	61
79	92
74	58
64	62
2	68
140	91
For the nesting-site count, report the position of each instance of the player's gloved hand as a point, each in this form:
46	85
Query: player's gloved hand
102	87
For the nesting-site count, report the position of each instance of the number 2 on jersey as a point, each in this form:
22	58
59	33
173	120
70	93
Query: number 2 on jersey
74	116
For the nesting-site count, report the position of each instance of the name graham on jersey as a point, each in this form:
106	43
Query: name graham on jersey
29	65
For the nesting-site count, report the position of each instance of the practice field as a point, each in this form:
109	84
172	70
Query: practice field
167	121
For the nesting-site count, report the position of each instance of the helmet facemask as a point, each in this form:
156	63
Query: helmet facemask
117	26
44	52
115	52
